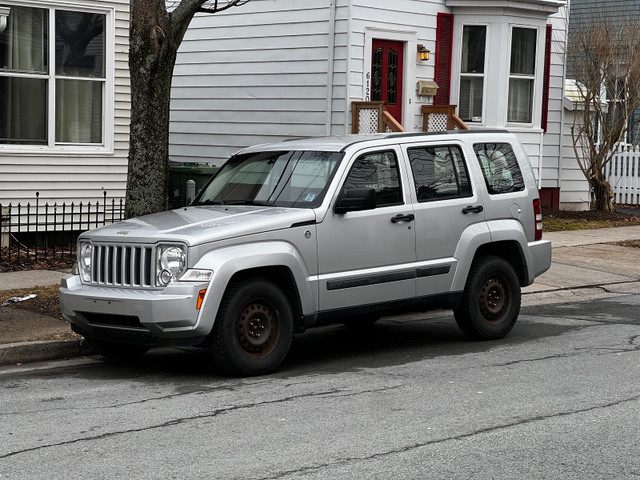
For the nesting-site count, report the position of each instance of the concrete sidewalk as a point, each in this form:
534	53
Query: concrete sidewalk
584	267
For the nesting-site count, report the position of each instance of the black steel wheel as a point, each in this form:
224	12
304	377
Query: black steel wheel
253	330
491	299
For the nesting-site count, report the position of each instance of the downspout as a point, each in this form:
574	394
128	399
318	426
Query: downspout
540	160
562	114
330	66
347	96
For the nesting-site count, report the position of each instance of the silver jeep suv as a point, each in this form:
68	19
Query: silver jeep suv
301	233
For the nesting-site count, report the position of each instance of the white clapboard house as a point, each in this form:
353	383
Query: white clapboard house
275	69
289	68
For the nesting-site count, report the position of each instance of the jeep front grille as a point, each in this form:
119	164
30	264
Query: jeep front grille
122	266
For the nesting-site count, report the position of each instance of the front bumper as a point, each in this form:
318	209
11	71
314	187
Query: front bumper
153	317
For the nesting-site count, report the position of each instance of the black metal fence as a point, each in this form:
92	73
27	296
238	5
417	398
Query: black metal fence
42	231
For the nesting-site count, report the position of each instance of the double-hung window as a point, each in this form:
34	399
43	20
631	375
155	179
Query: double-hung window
52	77
472	73
522	75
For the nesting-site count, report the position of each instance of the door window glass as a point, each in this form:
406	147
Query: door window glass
500	167
439	173
379	171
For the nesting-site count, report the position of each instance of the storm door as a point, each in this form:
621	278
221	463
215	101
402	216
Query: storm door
386	75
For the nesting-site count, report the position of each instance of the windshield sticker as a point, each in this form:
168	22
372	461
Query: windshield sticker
309	197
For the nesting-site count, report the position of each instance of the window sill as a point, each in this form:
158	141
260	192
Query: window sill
55	151
523	127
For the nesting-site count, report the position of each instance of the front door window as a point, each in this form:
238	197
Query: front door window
386	75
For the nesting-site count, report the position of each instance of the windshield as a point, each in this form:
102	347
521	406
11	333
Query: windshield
283	179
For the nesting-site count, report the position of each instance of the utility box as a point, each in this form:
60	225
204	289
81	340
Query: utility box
427	87
180	174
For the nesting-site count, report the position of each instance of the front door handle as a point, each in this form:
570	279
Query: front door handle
403	218
472	209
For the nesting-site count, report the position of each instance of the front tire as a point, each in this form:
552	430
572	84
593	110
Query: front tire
253	330
491	300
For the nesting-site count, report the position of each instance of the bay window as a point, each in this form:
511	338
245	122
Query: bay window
472	72
522	75
52	77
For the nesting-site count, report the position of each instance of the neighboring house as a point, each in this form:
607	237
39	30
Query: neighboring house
575	192
64	100
583	12
290	68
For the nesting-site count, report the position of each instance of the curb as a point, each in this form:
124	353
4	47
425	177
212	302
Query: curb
37	351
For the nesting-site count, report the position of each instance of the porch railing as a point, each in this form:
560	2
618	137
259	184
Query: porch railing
623	173
437	118
373	117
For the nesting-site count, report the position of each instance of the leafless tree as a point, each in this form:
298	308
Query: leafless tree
604	59
157	28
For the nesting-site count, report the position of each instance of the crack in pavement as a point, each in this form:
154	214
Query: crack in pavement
601	286
220	411
598	351
415	446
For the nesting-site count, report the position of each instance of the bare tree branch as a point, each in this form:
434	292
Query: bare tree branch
604	59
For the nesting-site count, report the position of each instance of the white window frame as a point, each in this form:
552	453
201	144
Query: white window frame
108	88
533	77
483	75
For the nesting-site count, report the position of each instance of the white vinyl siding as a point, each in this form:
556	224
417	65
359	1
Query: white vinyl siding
255	74
560	167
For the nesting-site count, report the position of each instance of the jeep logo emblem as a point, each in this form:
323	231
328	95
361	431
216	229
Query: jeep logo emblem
123	232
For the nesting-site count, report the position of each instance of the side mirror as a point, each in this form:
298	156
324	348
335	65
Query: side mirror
355	200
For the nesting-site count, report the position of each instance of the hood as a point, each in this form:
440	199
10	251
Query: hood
199	224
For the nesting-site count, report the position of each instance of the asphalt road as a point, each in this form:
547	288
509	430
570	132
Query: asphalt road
405	399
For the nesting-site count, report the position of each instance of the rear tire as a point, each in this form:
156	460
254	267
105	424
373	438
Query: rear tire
491	300
253	330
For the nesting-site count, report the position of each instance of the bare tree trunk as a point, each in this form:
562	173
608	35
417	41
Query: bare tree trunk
602	194
154	38
152	55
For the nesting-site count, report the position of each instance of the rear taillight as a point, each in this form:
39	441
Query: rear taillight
537	215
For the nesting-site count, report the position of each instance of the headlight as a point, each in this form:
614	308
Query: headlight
172	260
85	258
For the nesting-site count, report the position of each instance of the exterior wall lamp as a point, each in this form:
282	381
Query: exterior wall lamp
423	53
4	13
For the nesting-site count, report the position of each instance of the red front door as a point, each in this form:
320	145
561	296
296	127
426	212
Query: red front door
386	75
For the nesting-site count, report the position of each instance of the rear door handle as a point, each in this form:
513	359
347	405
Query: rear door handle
472	209
403	218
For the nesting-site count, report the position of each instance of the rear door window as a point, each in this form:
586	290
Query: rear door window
439	172
500	167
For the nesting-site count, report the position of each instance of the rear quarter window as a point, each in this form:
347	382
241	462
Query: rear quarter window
500	167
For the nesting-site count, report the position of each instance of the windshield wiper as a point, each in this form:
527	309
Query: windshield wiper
248	202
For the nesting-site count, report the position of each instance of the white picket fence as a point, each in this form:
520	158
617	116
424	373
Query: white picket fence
623	173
